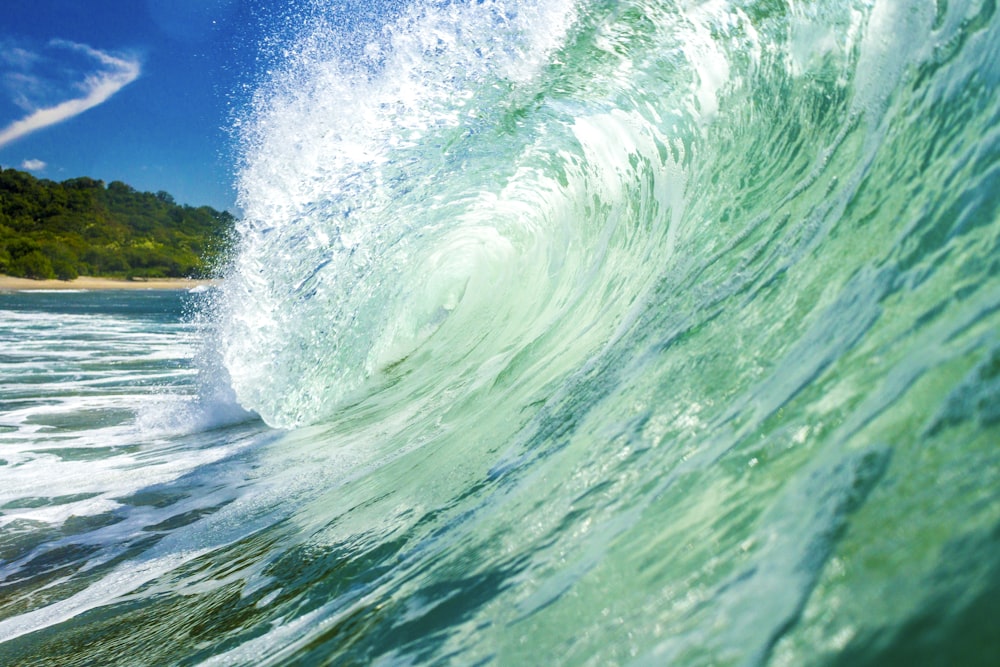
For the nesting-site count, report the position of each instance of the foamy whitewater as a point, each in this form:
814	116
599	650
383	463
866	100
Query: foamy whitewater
563	332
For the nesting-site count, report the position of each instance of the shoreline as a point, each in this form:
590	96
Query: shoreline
87	283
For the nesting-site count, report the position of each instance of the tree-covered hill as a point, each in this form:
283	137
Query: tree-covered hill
82	227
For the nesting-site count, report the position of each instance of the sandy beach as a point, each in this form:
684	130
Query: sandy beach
10	284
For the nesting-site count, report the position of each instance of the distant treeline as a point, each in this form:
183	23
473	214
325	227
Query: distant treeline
82	227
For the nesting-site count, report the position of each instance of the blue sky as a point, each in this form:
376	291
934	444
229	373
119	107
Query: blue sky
141	91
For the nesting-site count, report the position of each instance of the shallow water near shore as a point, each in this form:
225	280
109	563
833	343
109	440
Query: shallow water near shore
556	333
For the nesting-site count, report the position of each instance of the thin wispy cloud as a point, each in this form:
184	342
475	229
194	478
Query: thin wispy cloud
95	88
17	56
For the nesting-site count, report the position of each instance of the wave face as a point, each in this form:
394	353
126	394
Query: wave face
596	332
672	326
444	199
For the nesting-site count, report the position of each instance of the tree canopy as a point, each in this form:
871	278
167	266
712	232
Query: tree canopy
82	227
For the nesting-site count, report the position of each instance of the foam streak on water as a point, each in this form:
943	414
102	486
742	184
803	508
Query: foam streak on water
580	332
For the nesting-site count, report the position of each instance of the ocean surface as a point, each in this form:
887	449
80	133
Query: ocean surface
555	333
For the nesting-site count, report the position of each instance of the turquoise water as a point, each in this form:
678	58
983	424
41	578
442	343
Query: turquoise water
556	333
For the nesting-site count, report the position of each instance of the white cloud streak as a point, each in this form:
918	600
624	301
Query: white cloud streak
97	88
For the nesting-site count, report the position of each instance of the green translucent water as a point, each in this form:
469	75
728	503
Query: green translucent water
579	333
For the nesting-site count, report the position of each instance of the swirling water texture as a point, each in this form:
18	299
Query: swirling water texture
704	276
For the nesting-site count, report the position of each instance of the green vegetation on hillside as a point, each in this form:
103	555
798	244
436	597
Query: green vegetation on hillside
81	227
